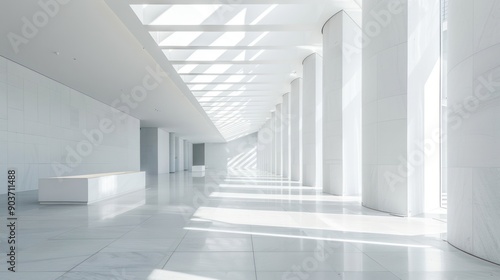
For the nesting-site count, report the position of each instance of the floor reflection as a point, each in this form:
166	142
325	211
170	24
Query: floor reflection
226	226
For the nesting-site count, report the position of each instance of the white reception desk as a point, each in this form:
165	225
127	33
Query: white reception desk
86	189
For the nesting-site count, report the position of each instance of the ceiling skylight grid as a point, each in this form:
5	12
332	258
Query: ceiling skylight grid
237	58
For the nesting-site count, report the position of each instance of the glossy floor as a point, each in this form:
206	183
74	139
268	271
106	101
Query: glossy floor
230	226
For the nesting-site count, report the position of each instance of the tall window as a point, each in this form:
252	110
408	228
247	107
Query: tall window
444	100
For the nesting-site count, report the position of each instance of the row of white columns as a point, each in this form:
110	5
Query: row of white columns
350	125
304	140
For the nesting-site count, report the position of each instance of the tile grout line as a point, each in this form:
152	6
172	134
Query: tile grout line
175	249
387	269
253	254
98	251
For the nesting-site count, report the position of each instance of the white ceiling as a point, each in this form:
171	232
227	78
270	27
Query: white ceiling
229	61
238	57
110	61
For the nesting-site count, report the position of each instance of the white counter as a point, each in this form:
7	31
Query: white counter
86	189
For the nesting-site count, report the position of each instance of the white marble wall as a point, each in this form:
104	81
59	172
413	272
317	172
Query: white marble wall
473	130
149	150
238	154
312	89
400	55
286	135
154	150
296	130
278	136
341	106
43	121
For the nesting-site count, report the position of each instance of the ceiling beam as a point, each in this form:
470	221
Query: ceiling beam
211	62
223	2
236	72
234	98
229	83
249	91
229	28
230	74
228	47
248	105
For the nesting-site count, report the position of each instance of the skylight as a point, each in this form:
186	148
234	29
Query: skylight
236	58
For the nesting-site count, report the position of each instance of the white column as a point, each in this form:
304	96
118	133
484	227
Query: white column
260	150
172	152
312	89
296	130
400	74
270	131
285	113
186	155
473	128
149	150
278	139
267	142
190	156
179	154
341	106
273	143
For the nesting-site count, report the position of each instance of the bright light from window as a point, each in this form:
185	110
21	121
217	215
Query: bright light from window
205	99
204	79
263	14
241	57
222	87
205	55
218	68
256	55
236	93
259	181
239	19
360	241
323	221
237	186
180	38
251	80
166	274
212	93
184	14
229	39
197	87
258	39
187	69
286	197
